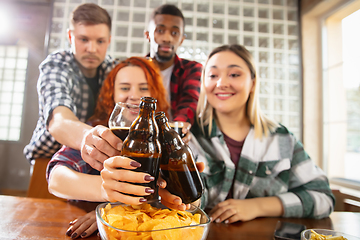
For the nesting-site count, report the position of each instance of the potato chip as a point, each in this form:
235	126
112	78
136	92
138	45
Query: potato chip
317	236
150	223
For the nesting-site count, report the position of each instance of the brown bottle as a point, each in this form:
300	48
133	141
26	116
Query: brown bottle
177	165
142	144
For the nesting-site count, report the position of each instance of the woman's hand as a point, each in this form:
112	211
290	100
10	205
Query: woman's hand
170	200
233	210
117	178
83	226
173	201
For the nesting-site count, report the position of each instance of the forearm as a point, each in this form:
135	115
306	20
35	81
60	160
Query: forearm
69	184
66	128
268	206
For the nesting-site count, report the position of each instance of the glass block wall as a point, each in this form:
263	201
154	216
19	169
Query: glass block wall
13	65
268	28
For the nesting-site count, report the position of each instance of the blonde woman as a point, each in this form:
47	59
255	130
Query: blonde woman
254	167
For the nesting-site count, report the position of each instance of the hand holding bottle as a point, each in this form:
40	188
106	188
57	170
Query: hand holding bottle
173	201
119	180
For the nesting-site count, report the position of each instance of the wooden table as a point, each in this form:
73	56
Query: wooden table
31	218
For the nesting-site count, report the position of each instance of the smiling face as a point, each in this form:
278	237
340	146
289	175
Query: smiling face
130	85
166	34
227	83
89	44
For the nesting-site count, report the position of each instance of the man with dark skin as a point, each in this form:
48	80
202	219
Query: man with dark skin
181	77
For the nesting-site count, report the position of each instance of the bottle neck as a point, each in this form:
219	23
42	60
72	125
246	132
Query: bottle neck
148	112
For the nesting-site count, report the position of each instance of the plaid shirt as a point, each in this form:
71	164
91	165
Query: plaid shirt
61	83
70	158
276	165
185	89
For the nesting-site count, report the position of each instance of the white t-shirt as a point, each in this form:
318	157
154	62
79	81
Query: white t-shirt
166	74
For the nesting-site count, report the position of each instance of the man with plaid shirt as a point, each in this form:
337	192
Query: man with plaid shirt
68	86
181	77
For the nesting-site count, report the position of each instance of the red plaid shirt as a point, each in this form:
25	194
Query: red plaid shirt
185	89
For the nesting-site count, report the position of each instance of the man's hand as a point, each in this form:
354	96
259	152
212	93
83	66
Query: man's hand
99	144
186	132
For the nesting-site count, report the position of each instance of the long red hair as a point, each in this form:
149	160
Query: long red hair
105	103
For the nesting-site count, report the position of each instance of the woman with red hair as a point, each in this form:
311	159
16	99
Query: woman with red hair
70	177
153	87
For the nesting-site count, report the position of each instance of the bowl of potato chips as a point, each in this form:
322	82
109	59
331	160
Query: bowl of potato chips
325	234
150	221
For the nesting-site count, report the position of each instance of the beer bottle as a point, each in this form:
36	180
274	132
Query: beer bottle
142	144
177	165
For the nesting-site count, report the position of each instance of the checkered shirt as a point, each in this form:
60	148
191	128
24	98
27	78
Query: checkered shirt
60	83
276	165
70	158
184	89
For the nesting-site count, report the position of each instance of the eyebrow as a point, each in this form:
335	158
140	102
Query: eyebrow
230	66
125	83
162	25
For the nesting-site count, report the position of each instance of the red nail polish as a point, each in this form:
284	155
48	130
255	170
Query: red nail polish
149	178
135	164
142	200
149	190
68	232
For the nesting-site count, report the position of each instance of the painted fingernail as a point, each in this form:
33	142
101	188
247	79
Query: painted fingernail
226	221
74	235
135	164
217	220
142	200
68	232
211	219
149	178
149	190
83	234
73	222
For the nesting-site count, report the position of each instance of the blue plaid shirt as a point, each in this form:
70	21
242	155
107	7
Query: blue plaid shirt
61	83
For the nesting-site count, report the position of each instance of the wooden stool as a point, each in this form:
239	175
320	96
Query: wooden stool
38	187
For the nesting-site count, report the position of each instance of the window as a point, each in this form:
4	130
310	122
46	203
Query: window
351	81
341	95
13	65
269	29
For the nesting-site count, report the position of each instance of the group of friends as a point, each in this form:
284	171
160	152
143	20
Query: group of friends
251	166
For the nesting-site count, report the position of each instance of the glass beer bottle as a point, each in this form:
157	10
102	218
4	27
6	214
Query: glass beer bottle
177	165
142	144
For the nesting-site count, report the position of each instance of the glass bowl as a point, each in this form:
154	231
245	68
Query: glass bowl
192	232
306	234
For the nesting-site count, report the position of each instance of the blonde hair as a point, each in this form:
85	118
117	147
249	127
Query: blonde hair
205	112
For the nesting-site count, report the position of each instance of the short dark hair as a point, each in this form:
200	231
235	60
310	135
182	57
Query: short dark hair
168	9
90	13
